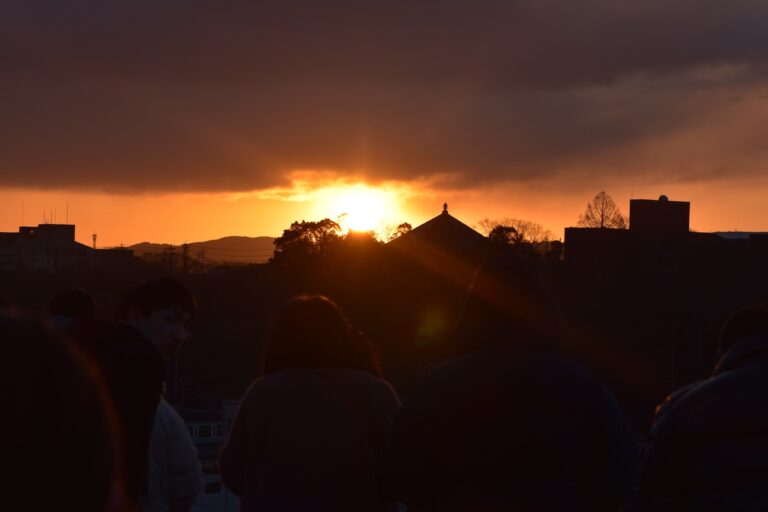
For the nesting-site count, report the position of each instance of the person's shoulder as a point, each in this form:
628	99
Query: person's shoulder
168	420
375	386
501	357
165	413
569	376
709	403
382	386
458	364
280	383
291	376
573	369
671	413
358	377
113	335
116	344
703	391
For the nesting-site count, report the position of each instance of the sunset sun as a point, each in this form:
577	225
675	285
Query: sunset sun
359	207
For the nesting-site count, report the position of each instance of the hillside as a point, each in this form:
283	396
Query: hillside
230	249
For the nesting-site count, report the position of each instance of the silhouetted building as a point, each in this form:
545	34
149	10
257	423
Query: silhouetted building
759	243
658	230
432	266
115	258
443	232
52	247
443	244
45	247
659	218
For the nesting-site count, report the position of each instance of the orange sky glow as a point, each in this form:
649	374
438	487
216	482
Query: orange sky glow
189	217
193	121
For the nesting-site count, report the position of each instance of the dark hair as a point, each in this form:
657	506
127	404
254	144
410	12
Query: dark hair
508	301
72	302
63	439
311	331
748	322
155	294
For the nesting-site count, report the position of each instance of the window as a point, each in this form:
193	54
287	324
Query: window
204	431
219	430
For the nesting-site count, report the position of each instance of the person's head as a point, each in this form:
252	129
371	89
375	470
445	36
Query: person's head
161	310
72	303
747	323
508	301
312	332
62	438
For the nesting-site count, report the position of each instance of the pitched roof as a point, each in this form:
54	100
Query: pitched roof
444	231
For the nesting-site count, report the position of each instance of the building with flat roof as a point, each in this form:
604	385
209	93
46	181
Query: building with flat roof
660	217
52	247
656	226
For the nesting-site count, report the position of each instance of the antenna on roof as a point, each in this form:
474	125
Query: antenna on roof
94	240
445	207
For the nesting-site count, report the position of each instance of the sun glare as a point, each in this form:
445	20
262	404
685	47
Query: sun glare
360	208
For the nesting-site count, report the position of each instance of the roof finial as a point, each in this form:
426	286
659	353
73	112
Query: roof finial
445	207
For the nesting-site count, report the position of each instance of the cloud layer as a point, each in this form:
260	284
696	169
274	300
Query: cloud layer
234	96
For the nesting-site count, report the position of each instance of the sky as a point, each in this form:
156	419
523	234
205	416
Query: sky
173	121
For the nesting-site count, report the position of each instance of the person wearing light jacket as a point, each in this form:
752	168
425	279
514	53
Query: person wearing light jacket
175	477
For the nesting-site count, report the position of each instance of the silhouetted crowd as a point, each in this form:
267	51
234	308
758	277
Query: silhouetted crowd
509	425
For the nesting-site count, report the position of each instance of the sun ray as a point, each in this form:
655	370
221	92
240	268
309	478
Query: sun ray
359	207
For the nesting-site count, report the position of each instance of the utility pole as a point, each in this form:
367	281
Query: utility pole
185	258
170	257
201	260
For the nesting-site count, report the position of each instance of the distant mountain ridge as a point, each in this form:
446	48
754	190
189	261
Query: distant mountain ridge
230	249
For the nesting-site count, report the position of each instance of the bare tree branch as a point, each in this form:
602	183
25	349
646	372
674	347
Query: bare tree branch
602	212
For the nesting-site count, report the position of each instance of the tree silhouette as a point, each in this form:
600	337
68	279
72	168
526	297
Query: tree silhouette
504	235
525	230
602	212
394	232
306	240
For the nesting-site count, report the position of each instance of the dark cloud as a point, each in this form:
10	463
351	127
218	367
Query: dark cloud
193	95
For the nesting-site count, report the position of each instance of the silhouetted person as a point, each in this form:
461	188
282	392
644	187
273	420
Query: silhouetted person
160	310
60	435
134	374
309	435
70	305
510	425
131	353
708	447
